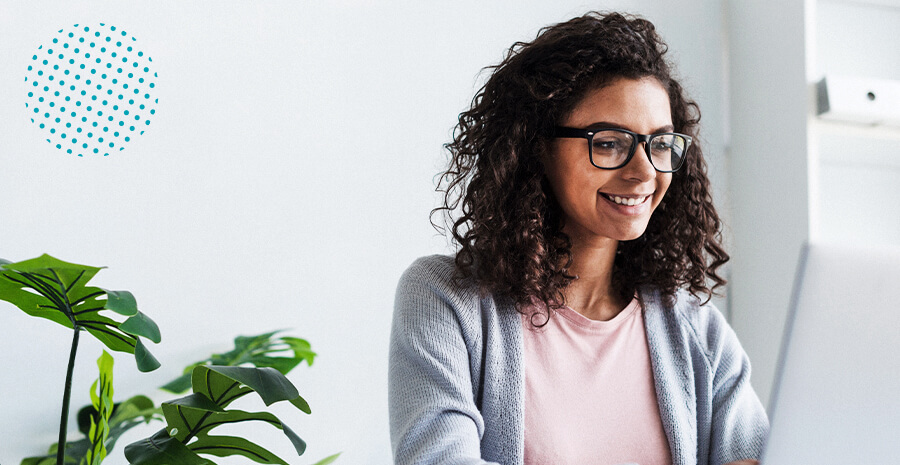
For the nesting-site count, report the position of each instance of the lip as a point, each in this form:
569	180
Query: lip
626	196
627	209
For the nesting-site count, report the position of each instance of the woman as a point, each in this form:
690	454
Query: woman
571	326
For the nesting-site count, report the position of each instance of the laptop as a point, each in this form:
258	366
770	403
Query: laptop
836	398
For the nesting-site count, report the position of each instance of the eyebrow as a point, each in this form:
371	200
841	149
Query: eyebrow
608	125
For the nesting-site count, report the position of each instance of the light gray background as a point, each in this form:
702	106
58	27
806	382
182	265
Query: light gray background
285	182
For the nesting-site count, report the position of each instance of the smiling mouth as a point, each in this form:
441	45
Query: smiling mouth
629	201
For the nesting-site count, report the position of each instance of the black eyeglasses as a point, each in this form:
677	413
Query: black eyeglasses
611	149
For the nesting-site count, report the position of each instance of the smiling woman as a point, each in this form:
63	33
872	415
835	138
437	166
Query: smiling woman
570	327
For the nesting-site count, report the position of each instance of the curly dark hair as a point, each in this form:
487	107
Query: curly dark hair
508	224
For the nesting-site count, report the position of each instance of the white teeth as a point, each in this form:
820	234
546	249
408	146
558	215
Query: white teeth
627	201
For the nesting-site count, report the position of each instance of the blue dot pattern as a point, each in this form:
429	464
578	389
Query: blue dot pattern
91	90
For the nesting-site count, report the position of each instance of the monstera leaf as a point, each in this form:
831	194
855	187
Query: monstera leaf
282	353
50	288
191	418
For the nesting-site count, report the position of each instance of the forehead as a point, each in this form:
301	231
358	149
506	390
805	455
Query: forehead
640	105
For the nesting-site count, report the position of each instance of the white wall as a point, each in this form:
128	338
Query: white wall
285	182
768	171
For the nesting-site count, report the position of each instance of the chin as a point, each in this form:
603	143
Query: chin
631	234
630	237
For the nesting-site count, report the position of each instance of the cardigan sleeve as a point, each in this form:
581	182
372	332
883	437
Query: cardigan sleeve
433	415
739	425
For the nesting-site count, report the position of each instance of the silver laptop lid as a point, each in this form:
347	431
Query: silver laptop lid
836	398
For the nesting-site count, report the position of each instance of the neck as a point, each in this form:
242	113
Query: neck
592	294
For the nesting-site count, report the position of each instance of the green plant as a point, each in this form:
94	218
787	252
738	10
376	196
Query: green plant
46	287
56	290
283	353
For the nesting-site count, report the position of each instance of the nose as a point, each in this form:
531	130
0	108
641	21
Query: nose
639	167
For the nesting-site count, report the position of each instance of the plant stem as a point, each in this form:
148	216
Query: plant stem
64	418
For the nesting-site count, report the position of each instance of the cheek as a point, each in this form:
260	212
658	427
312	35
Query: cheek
663	185
568	178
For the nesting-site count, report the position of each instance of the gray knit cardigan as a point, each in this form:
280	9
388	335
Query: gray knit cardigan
456	381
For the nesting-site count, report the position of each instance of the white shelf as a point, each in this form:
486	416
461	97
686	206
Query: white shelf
853	144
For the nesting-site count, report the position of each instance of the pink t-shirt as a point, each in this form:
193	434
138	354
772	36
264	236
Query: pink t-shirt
589	393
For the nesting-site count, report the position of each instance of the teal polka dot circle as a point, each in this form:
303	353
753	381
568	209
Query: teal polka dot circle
91	90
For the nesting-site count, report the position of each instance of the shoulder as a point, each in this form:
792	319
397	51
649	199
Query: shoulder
428	297
433	276
429	269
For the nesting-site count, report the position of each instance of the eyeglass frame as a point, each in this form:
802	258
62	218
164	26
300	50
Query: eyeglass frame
580	133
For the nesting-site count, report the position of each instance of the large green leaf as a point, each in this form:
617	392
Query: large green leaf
225	384
50	288
216	387
102	400
162	449
264	350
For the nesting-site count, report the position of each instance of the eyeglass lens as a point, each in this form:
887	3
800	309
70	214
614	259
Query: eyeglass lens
610	149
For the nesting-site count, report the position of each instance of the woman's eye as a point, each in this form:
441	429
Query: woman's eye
610	144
